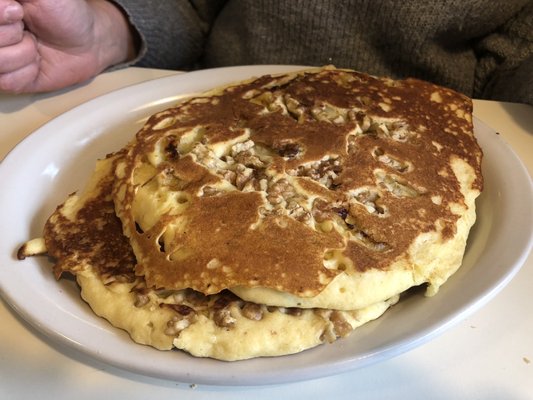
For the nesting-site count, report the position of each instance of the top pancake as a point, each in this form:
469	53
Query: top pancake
287	188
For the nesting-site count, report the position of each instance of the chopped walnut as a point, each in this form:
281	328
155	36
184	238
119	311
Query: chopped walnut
265	99
369	198
209	191
181	309
263	184
288	150
329	113
282	187
141	300
252	311
230	176
325	171
242	176
396	130
341	327
391	162
294	311
296	211
294	109
223	318
176	325
111	277
396	185
369	242
280	191
338	326
250	94
321	210
184	317
171	148
241	147
196	299
328	335
248	159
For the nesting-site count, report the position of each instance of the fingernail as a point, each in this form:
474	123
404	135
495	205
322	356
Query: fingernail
13	12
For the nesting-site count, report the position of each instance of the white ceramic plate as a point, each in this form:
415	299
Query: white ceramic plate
58	158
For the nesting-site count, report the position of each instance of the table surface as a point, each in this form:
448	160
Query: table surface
489	355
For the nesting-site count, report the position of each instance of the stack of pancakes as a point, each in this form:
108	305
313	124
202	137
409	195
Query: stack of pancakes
275	214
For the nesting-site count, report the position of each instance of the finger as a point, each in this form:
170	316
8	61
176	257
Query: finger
10	11
19	55
21	80
11	34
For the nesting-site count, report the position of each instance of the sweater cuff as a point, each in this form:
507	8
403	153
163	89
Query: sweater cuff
169	35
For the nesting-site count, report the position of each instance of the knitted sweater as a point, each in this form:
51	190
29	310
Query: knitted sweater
483	49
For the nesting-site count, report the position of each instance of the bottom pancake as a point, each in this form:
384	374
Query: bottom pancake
220	326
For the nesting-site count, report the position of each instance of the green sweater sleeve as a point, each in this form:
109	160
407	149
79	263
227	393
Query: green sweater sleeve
171	33
482	49
505	67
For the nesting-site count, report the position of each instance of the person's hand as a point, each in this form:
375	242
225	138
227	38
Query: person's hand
51	44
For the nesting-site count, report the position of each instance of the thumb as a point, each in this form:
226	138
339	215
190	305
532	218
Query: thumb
10	11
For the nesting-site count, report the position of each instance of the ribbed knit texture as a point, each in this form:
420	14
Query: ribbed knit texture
481	48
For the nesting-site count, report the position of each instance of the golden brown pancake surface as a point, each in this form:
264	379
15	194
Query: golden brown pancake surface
257	184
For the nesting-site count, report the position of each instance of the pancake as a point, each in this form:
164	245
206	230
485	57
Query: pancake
322	188
275	214
85	237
